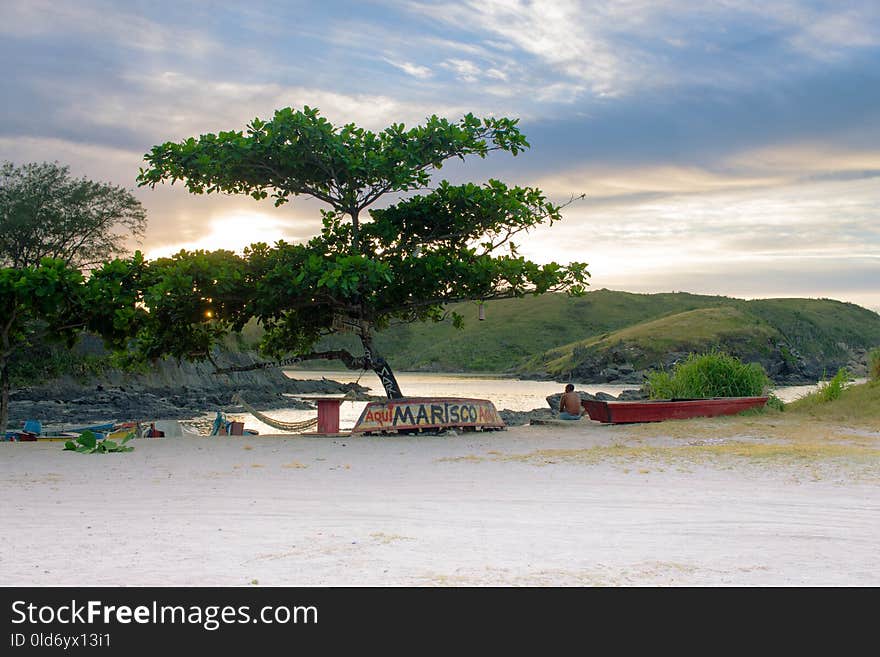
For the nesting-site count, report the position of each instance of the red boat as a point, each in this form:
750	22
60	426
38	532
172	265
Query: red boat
657	410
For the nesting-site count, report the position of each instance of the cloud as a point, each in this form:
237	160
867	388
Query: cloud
625	184
620	48
224	231
464	69
96	161
713	140
808	159
409	68
555	32
103	21
141	109
765	168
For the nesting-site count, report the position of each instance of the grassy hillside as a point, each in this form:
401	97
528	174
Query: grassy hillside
560	336
644	344
517	329
819	326
794	339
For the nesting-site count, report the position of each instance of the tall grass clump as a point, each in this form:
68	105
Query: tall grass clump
874	365
714	374
833	388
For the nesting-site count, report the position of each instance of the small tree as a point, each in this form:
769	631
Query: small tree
46	213
53	302
366	269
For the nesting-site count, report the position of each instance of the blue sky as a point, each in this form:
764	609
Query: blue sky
729	147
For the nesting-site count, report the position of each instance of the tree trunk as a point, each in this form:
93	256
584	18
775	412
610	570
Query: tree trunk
382	369
355	231
4	395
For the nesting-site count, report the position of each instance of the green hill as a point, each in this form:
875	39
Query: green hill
517	329
610	335
647	343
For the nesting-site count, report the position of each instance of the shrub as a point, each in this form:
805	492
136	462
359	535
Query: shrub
874	365
775	403
714	374
831	390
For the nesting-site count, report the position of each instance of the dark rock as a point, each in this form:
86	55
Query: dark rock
604	396
632	395
637	377
553	400
610	374
519	418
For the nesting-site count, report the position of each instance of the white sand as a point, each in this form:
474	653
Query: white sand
431	511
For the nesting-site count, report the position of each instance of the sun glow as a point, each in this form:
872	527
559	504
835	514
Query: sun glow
229	231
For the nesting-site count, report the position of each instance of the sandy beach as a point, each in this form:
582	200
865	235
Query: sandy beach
733	501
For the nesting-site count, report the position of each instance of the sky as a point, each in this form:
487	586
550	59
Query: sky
728	147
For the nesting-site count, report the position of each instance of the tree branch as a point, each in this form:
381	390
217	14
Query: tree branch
351	362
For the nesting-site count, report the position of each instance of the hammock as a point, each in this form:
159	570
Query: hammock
293	427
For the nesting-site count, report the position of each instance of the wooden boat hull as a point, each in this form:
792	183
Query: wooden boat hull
620	412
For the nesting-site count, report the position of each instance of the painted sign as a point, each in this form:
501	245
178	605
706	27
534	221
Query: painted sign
410	413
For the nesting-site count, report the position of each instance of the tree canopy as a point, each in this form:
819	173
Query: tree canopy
53	301
47	213
401	262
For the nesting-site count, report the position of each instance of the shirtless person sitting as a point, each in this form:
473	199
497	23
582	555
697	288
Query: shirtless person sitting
570	407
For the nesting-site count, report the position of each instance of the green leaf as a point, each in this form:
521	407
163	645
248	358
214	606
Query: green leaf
87	439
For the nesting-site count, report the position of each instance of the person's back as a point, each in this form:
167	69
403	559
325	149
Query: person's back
570	407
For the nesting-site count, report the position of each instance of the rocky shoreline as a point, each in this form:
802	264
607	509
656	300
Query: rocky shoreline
186	391
785	367
169	391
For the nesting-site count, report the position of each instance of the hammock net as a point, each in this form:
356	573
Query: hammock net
292	427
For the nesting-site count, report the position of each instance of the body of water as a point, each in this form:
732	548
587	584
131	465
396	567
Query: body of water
513	394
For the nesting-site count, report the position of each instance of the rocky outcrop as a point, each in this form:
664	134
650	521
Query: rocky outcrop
168	391
627	364
517	418
626	395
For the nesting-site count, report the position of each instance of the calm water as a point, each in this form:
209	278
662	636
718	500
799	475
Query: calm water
504	393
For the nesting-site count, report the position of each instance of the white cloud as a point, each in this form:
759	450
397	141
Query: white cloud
103	21
614	48
557	32
103	163
805	158
463	68
171	105
421	72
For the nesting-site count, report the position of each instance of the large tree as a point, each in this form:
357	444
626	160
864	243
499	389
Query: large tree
47	213
368	267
